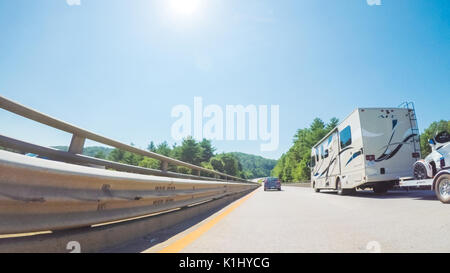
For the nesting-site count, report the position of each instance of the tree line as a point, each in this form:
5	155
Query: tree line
293	165
430	132
200	153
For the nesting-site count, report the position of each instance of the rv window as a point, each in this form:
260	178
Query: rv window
313	161
326	153
321	152
346	137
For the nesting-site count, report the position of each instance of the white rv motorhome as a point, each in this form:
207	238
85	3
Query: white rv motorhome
371	148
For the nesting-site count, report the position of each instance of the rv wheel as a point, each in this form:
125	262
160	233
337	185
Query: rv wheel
314	187
442	188
340	190
380	189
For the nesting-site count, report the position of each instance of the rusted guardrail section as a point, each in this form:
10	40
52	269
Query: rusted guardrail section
80	135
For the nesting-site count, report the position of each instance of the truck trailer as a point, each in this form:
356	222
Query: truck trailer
440	184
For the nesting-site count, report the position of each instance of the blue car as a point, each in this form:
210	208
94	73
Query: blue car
272	183
35	155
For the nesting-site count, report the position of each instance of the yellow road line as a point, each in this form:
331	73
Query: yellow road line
192	236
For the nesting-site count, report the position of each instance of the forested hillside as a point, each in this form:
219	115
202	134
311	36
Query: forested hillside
198	153
293	165
255	166
93	151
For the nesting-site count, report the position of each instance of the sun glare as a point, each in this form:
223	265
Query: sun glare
184	7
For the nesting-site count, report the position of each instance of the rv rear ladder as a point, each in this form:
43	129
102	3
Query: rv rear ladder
413	123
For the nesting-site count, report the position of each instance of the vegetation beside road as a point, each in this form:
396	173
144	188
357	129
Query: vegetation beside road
255	166
430	132
293	165
191	151
93	151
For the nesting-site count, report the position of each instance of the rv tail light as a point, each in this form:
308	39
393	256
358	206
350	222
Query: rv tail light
442	162
370	157
415	155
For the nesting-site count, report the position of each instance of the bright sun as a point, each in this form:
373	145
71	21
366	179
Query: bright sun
184	7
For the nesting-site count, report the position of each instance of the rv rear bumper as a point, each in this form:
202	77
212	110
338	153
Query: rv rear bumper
386	177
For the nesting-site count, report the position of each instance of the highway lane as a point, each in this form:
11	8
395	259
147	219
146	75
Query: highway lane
298	220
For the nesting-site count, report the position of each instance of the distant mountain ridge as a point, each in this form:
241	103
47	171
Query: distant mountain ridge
255	165
92	151
252	165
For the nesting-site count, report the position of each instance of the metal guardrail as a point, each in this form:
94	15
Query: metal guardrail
80	135
63	156
38	194
121	236
69	190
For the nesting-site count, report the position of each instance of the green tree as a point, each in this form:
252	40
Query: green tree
116	155
151	147
217	164
207	150
184	170
430	132
100	154
131	159
293	165
150	163
207	165
199	153
254	166
163	149
230	164
190	151
332	124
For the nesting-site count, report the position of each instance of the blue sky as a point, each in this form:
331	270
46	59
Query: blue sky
118	67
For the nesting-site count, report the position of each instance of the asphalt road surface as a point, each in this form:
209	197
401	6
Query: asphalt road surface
298	220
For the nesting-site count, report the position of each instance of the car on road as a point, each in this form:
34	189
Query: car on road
272	183
36	156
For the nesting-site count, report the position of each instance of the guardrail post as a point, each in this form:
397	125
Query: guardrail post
76	144
164	166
